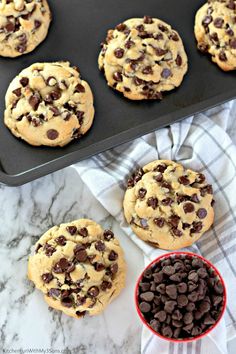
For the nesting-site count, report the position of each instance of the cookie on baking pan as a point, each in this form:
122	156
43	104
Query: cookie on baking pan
143	57
79	267
167	205
23	25
49	104
215	31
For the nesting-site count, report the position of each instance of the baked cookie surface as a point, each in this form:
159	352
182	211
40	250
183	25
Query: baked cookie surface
23	25
79	267
167	205
143	57
49	104
215	31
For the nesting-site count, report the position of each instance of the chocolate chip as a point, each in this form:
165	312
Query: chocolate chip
208	320
222	56
24	81
201	213
34	101
170	306
21	48
144	307
61	266
147	19
38	247
112	256
155	325
83	232
147	296
17	92
142	192
117	76
100	246
182	300
162	28
67	301
182	288
114	268
160	52
159	222
99	266
147	70
232	43
106	285
171	291
207	20
188	208
196	227
167	201
53	292
80	253
194	198
55	95
152	202
174	220
184	180
218	288
10	27
218	22
129	44
52	134
72	230
231	5
166	73
47	277
49	250
93	291
108	235
161	316
37	24
169	270
121	27
119	53
167	331
61	240
179	60
55	111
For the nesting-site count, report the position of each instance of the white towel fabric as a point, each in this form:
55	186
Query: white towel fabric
200	143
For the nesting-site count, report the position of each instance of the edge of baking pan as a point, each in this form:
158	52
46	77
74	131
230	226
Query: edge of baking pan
121	138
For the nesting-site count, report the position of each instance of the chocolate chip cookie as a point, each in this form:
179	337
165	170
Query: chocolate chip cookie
49	104
167	205
215	31
23	25
143	57
79	267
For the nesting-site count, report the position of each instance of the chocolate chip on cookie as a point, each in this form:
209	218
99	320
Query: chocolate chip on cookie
215	28
143	58
24	25
167	205
79	267
59	106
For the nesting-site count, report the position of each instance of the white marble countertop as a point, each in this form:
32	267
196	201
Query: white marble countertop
25	321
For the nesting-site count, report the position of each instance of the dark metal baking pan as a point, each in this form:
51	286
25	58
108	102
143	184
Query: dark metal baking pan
77	29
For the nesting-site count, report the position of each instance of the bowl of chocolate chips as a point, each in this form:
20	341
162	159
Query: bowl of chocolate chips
180	296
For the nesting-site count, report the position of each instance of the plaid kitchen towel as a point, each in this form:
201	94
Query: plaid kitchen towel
200	143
